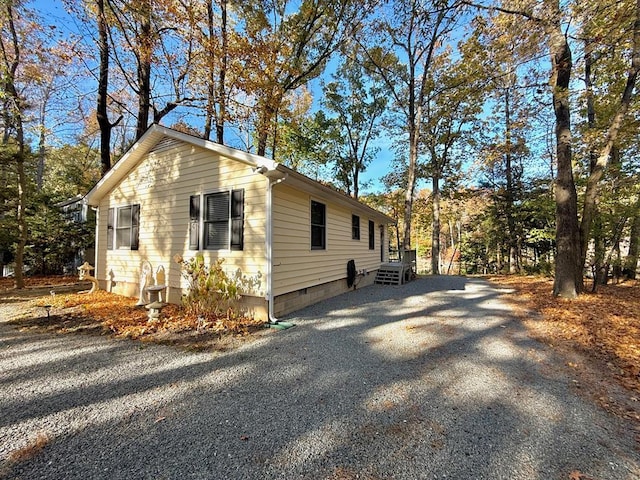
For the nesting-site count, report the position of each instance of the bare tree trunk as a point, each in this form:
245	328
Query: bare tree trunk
211	89
41	148
222	100
598	168
435	228
21	218
14	116
264	123
144	55
598	267
631	261
103	86
410	191
216	110
568	276
512	240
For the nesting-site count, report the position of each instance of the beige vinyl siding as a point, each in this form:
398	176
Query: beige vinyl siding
162	184
295	264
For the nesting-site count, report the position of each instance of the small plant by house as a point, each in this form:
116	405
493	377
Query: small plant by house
212	295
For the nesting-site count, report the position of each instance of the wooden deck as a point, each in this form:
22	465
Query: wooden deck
393	273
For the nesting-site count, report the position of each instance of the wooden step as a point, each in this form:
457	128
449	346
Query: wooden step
390	275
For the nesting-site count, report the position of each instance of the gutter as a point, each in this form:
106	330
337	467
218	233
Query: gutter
273	177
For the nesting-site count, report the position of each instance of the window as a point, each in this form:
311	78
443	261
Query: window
216	221
123	227
222	220
355	227
372	238
318	226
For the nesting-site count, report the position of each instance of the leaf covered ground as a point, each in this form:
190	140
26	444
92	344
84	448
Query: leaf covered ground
107	313
603	326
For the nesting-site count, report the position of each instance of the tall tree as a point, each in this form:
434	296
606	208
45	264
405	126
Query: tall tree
450	109
593	29
14	108
416	30
549	17
358	108
102	115
217	66
568	278
150	39
631	261
291	46
504	56
222	61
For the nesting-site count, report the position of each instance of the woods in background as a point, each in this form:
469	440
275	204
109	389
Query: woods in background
505	132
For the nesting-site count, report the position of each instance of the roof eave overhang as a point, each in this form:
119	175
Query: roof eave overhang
265	166
145	144
323	192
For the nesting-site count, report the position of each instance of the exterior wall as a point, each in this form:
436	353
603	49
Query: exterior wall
295	265
162	184
292	301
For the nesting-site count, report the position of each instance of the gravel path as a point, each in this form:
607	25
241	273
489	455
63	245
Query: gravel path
430	380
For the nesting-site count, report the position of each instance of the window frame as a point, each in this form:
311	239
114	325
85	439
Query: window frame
115	227
318	227
206	222
234	221
372	235
355	227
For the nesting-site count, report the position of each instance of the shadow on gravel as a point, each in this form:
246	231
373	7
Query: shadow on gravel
433	379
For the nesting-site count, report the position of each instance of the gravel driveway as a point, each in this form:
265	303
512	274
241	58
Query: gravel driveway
433	379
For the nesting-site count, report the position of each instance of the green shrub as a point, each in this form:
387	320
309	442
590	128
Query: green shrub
211	293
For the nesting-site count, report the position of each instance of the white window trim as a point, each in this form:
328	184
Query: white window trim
116	213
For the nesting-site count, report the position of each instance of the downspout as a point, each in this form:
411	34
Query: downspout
272	321
95	242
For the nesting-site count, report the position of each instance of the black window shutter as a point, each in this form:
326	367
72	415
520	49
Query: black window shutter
237	219
372	240
135	226
110	231
194	222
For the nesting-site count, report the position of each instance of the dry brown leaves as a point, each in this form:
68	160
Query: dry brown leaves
605	325
108	313
38	281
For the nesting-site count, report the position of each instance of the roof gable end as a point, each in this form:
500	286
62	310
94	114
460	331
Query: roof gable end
157	137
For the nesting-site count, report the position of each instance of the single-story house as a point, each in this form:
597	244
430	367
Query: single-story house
287	235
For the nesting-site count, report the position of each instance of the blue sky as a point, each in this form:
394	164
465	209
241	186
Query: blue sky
54	13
